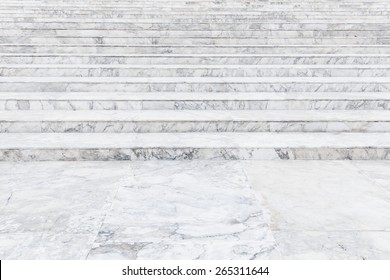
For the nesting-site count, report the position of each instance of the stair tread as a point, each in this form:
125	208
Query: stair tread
199	96
196	66
196	140
192	55
196	116
167	80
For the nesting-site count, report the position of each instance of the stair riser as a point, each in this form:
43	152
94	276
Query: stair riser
194	105
189	126
189	20
174	7
196	41
208	2
158	153
109	49
220	19
15	33
201	13
218	2
182	72
150	9
195	87
131	27
198	15
234	12
188	60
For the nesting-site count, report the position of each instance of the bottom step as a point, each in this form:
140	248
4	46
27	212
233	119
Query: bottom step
191	146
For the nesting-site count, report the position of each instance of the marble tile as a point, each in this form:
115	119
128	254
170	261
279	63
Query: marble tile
187	250
378	171
54	197
325	209
44	246
319	196
179	207
333	245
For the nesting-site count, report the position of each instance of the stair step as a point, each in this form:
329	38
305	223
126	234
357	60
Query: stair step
103	121
205	79
207	84
194	101
127	70
190	146
45	33
189	20
69	26
190	59
177	41
191	49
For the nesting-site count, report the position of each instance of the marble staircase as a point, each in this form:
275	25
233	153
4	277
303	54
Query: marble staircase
201	79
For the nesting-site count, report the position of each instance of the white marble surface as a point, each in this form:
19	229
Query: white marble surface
333	245
197	116
198	211
146	70
190	146
199	96
192	210
197	140
194	101
196	58
326	209
147	121
195	80
53	211
127	213
189	49
165	56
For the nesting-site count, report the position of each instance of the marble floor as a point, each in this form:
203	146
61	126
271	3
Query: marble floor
195	210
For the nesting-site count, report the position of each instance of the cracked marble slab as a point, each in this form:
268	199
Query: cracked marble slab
56	198
100	210
185	207
193	210
44	246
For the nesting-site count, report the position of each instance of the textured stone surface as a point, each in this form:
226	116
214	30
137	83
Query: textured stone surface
204	68
195	210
